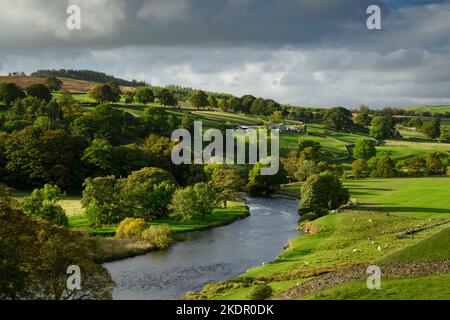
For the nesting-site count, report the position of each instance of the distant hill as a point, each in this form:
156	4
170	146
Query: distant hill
431	109
87	75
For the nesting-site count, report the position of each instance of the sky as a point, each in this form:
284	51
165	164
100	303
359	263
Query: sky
299	52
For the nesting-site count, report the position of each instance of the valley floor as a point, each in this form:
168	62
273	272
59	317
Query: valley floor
401	225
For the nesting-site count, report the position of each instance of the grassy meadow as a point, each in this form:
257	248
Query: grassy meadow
369	233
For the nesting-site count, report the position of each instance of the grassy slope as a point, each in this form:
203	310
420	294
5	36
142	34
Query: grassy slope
344	233
415	288
432	109
418	197
434	248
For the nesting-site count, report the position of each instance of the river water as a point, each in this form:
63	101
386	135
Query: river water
208	256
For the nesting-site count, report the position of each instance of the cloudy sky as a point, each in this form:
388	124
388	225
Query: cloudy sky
302	52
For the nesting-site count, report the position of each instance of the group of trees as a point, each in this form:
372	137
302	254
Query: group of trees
87	75
431	129
306	161
246	104
145	193
152	193
57	142
10	92
35	253
111	92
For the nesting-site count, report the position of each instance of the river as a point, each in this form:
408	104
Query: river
208	256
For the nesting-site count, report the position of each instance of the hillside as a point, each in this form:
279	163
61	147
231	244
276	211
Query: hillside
431	109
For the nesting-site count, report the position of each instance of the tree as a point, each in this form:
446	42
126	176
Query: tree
155	120
415	123
291	163
187	121
101	155
35	255
234	104
206	199
103	93
223	105
128	98
432	129
434	165
144	95
360	168
115	87
183	204
364	149
44	203
53	84
167	98
104	201
445	134
213	102
149	191
193	202
10	92
339	119
416	166
199	99
227	183
322	192
381	127
362	118
276	117
305	143
386	168
36	156
264	184
247	102
306	169
39	91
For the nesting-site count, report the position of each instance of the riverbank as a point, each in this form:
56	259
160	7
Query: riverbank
108	249
209	256
373	233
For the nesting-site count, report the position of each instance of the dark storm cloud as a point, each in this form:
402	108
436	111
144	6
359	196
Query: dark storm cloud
305	52
112	23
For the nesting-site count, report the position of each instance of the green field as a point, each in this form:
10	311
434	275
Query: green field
414	288
431	109
416	197
434	248
361	235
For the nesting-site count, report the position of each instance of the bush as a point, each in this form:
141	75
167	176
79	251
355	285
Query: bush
360	168
158	236
130	228
44	203
260	292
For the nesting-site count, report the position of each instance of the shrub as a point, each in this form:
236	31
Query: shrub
386	168
130	228
44	203
260	292
434	165
158	236
364	149
360	168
